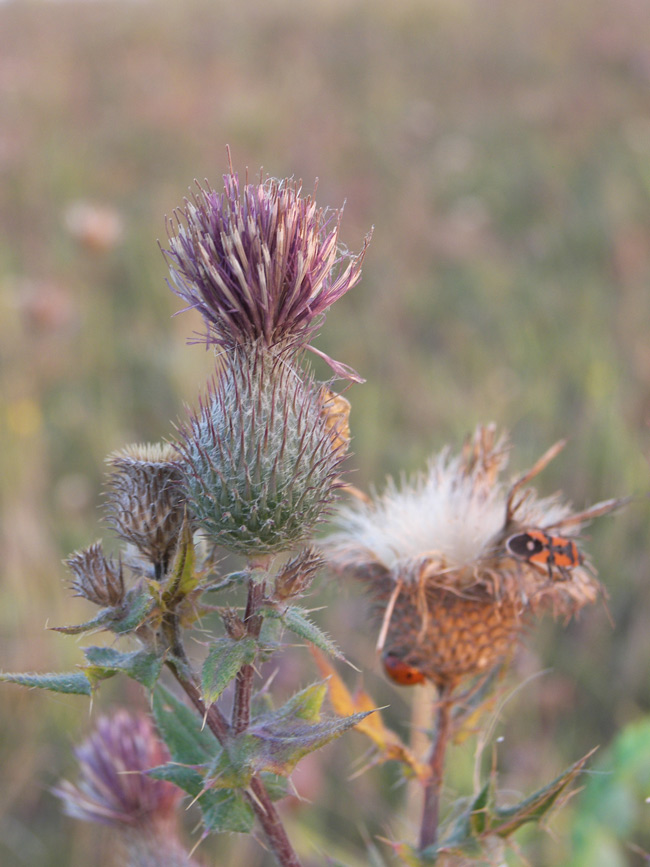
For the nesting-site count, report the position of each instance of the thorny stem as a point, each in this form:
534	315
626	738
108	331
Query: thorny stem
431	811
241	713
256	795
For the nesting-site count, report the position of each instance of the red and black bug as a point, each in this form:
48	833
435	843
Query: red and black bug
553	554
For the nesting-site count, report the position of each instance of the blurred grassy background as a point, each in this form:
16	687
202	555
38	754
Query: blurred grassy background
502	152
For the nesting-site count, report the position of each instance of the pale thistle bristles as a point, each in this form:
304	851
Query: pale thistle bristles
144	500
451	597
96	577
261	460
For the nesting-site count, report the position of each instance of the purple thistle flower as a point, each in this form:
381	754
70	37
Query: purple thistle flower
114	788
262	264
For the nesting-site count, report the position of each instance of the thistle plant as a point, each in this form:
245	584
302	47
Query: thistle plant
457	563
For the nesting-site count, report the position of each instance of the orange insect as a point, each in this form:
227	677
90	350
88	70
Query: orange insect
401	672
546	551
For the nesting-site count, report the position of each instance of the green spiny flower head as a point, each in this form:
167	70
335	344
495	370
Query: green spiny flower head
261	459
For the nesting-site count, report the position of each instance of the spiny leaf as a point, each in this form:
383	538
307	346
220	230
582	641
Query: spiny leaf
73	683
100	621
185	777
296	619
478	811
505	821
183	577
279	749
227	811
305	705
387	742
182	729
138	606
222	810
142	665
223	662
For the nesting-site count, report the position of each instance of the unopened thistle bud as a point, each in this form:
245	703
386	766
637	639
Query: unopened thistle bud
115	789
96	577
261	462
457	563
296	576
145	502
261	265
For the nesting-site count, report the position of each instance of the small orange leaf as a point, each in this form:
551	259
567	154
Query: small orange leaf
387	742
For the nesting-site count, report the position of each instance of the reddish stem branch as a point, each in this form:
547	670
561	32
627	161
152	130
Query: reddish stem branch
270	821
431	810
241	712
256	795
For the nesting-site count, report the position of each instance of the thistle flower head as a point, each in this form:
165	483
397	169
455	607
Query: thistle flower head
261	460
95	577
144	500
114	787
452	596
261	264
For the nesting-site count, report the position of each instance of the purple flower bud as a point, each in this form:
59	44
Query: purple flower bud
261	264
114	788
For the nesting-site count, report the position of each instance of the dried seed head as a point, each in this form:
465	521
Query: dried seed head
451	596
296	576
261	464
96	578
114	788
261	264
144	500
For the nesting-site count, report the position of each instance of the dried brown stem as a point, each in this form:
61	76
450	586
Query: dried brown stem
431	810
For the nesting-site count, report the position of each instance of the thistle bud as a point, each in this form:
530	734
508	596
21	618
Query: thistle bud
261	463
145	502
96	578
296	576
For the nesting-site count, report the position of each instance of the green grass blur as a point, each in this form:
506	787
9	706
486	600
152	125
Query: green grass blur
502	152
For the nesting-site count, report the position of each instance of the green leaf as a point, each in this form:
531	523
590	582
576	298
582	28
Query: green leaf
138	605
181	728
227	811
278	748
507	820
101	621
142	665
183	578
223	662
305	705
222	810
478	811
73	683
296	619
185	777
275	785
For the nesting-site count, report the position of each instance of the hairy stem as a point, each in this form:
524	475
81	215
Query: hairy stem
256	794
181	668
241	713
431	810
